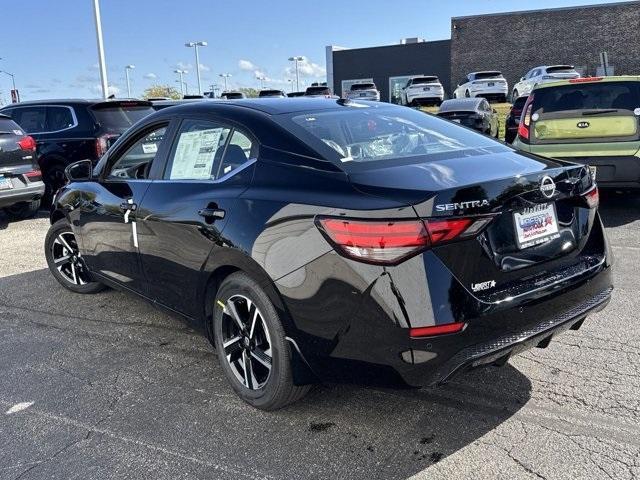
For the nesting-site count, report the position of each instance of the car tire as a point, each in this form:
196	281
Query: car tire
267	382
514	96
23	210
60	243
455	95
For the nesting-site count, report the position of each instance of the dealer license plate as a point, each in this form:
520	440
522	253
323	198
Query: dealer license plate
536	225
5	183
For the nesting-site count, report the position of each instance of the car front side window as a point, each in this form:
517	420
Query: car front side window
136	161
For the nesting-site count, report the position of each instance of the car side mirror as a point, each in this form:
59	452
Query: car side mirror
80	171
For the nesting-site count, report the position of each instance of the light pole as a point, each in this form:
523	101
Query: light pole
126	74
13	82
262	79
195	46
297	59
290	84
225	76
101	61
181	73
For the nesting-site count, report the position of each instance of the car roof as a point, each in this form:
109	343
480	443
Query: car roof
457	103
66	101
619	78
271	105
485	71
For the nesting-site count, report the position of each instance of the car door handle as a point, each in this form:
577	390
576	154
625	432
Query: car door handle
212	213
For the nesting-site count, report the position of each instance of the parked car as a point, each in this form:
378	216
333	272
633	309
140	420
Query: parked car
69	130
318	239
543	74
164	103
474	113
423	89
295	94
232	95
490	85
513	119
319	91
593	121
21	186
364	91
273	93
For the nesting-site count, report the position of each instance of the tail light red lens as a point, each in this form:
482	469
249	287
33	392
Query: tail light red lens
27	143
34	174
585	79
592	197
436	330
525	121
389	242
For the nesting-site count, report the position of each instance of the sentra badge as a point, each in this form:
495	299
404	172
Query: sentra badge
445	207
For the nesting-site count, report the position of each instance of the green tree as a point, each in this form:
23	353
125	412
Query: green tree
249	92
157	91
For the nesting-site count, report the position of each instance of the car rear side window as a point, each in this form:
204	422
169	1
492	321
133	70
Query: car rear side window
31	119
588	96
198	148
59	118
239	150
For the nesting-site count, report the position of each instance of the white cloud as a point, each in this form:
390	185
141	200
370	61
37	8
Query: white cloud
306	68
260	73
184	66
246	65
150	76
112	90
204	68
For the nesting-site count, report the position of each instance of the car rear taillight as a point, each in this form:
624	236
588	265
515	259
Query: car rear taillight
431	331
388	242
27	143
102	144
34	175
592	197
525	121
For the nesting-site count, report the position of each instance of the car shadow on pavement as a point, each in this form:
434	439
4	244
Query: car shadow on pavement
4	219
115	366
619	208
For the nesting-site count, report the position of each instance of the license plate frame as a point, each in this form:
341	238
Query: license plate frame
535	225
5	183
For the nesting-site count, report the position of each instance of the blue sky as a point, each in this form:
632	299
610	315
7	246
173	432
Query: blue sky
51	47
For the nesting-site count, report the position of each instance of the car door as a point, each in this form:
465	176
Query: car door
183	214
107	224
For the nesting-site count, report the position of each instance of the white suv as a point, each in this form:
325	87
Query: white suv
423	89
364	91
490	85
543	74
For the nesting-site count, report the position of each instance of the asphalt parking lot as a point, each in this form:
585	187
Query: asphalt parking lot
107	386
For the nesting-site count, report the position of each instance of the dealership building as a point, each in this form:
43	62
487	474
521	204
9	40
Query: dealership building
512	43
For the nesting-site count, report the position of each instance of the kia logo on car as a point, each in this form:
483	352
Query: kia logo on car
547	186
583	124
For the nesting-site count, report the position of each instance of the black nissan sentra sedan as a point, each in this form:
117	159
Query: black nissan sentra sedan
334	240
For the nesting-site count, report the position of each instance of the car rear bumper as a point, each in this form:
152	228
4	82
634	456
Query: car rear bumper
428	95
29	193
614	171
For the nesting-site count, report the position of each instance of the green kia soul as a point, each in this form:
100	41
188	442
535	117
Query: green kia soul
594	121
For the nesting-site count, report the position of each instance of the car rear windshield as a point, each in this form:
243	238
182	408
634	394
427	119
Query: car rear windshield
117	117
588	96
363	86
461	105
8	126
269	93
317	90
362	136
483	75
561	69
421	80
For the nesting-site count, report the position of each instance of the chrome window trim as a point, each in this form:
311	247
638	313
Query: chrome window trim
73	115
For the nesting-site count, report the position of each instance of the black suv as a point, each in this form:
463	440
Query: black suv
70	130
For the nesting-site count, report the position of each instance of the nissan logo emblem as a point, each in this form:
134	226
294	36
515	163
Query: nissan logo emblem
547	186
583	124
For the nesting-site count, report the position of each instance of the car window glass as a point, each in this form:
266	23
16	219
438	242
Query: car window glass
238	152
135	162
59	118
31	119
199	146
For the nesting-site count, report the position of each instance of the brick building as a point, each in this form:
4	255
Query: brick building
511	42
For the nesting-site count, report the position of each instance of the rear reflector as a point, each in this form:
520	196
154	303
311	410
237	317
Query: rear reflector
436	330
388	242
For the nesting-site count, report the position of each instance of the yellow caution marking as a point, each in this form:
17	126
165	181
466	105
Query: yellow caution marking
220	303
